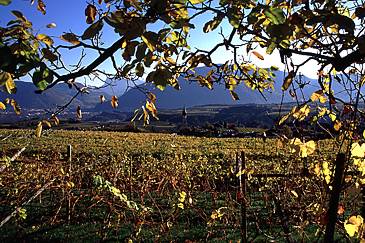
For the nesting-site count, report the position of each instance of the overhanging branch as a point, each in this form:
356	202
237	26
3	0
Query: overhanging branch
87	70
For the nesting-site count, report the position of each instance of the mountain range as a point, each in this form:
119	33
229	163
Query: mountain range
59	95
190	94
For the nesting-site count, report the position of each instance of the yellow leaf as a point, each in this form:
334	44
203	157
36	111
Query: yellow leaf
356	220
2	106
258	55
151	107
327	178
38	130
332	116
152	97
196	1
15	106
45	39
146	117
353	224
294	193
318	95
182	196
351	229
337	126
317	170
302	113
47	123
55	120
284	118
7	80
310	147
214	215
114	101
288	80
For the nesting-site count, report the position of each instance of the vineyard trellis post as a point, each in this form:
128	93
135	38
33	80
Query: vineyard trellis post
69	153
335	198
242	190
69	159
363	202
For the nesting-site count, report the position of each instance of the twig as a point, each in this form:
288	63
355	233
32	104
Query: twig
2	168
6	137
27	202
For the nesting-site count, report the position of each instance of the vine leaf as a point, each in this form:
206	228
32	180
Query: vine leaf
38	130
353	224
114	101
288	80
45	39
51	25
78	113
41	7
196	1
5	2
90	13
93	30
71	38
102	99
258	55
7	80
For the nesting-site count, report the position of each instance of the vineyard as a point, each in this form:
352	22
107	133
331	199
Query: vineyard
109	186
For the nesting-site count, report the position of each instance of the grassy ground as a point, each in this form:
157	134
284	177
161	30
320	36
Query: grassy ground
154	187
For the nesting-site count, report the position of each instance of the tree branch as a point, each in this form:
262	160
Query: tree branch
87	70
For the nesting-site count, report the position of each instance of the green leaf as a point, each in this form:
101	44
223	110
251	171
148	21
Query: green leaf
161	78
234	18
42	78
5	2
276	15
92	30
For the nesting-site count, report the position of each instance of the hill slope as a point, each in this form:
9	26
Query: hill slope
58	95
191	94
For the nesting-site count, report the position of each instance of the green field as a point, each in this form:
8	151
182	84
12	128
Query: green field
159	187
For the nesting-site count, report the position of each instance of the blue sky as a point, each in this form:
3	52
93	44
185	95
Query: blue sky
69	16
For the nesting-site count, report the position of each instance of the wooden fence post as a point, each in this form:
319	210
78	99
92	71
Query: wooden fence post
243	191
335	198
69	152
69	158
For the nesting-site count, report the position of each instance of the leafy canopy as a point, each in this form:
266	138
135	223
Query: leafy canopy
153	36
